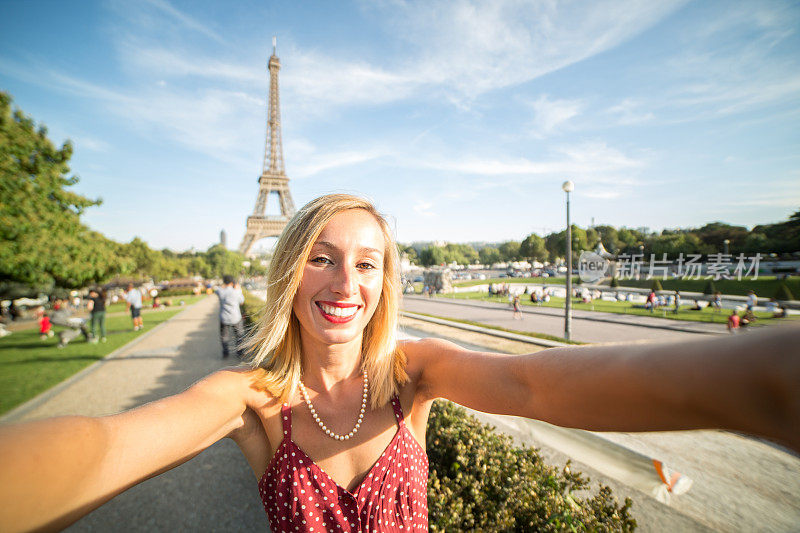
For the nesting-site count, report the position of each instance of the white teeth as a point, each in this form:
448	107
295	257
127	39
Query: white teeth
339	311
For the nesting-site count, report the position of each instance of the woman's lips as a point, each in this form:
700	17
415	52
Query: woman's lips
337	312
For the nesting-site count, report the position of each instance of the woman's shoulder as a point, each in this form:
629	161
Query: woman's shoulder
420	351
240	382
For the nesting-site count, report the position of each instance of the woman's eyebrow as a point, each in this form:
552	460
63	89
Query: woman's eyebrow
363	249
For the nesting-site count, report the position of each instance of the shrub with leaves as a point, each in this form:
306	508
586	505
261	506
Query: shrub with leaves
480	480
614	283
710	288
656	285
783	293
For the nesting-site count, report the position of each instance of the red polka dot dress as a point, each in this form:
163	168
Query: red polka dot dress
299	496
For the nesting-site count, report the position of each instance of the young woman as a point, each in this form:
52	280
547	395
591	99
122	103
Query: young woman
331	414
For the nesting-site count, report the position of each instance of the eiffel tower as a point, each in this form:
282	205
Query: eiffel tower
273	177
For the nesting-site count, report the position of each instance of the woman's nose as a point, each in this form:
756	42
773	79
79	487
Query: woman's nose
345	282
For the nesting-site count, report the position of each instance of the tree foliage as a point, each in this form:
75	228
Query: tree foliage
42	240
533	248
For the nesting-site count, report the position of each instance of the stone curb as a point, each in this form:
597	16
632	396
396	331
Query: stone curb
486	331
21	410
491	305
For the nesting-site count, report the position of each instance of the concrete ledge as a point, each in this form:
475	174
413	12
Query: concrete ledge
486	331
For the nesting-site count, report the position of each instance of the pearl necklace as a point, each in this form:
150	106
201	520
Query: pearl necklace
322	424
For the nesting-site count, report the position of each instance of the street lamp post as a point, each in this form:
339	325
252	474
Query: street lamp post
568	187
726	242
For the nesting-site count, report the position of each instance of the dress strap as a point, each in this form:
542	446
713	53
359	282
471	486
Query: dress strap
398	410
286	419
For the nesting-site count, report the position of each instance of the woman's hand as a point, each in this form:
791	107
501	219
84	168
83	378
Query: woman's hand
54	471
746	383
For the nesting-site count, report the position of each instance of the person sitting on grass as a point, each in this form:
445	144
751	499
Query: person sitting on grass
332	409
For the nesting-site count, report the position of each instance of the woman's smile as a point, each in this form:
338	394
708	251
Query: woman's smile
338	312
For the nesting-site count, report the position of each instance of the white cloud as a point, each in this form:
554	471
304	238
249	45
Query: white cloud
471	48
423	208
744	59
90	143
551	115
320	162
184	19
171	64
629	111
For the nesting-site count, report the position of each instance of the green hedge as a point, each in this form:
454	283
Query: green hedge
181	291
764	288
251	308
479	480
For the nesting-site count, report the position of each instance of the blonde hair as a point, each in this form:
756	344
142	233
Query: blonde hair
276	345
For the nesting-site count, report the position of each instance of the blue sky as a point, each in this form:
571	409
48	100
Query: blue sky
459	119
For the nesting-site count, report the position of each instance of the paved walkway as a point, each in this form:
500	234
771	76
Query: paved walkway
739	484
587	326
215	491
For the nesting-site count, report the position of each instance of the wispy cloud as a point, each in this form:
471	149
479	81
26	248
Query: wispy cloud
470	48
552	115
185	20
316	163
630	111
744	59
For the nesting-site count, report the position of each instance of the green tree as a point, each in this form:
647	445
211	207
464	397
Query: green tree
489	255
432	255
510	251
409	251
42	240
222	261
556	243
533	248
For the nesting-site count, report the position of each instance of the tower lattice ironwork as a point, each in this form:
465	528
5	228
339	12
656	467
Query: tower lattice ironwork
273	176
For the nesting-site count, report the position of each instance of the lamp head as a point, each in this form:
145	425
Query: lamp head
568	186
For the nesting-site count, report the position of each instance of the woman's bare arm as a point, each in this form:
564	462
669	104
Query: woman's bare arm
748	383
54	471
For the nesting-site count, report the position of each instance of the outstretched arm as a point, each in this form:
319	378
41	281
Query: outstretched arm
747	383
54	471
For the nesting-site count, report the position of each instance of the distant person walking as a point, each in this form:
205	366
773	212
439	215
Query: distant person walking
677	301
133	299
97	308
517	308
231	326
752	300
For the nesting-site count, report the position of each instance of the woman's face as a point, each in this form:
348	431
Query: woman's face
342	280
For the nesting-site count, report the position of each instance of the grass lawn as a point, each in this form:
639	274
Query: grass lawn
705	315
188	300
29	366
764	287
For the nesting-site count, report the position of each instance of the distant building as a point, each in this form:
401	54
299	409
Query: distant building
223	239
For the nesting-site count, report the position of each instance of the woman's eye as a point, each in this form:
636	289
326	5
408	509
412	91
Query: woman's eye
321	260
366	266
